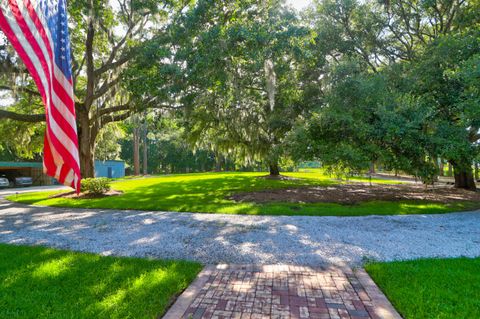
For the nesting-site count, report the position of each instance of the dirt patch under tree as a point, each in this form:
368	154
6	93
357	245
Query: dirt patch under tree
350	194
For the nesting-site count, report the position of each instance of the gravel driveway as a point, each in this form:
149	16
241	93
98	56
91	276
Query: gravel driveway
210	238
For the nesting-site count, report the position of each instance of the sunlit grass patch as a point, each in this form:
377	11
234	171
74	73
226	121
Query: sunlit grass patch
319	174
431	288
38	282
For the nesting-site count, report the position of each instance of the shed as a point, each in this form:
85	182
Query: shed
110	169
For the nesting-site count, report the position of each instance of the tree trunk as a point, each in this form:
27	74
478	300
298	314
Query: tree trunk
372	168
436	163
145	152
87	166
464	178
136	152
477	177
218	162
449	173
274	170
441	167
86	146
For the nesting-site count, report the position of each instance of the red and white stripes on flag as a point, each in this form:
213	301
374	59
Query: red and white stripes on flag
38	31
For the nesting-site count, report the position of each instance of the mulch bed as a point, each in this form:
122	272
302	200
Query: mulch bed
86	195
358	192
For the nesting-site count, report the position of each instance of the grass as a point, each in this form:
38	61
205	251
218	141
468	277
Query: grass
38	282
208	192
431	288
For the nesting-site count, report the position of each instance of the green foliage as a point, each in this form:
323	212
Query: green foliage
38	282
404	96
168	152
20	140
223	87
431	288
100	185
339	135
107	146
340	171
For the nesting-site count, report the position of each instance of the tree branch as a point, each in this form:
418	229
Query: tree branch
112	109
89	60
122	60
105	87
114	118
23	89
31	118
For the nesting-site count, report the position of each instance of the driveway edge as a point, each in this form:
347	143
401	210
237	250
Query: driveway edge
382	307
186	298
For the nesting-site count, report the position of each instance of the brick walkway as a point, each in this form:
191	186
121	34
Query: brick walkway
279	291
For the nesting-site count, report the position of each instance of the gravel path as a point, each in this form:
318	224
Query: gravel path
212	238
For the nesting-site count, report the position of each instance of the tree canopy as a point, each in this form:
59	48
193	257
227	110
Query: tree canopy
345	82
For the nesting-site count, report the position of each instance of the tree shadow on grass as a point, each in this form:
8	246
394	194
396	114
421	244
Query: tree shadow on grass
38	282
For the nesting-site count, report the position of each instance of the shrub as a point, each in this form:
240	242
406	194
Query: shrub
99	185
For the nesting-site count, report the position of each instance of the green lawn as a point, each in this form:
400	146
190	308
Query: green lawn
38	282
207	193
431	288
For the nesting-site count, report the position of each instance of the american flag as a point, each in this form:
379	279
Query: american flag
38	31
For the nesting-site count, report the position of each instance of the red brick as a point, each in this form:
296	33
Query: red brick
290	293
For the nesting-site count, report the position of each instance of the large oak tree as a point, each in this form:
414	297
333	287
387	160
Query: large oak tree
236	70
105	36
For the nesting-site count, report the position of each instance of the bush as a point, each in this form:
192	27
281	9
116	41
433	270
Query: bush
99	185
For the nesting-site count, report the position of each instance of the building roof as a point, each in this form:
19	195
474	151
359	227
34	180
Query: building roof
21	164
106	161
40	165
